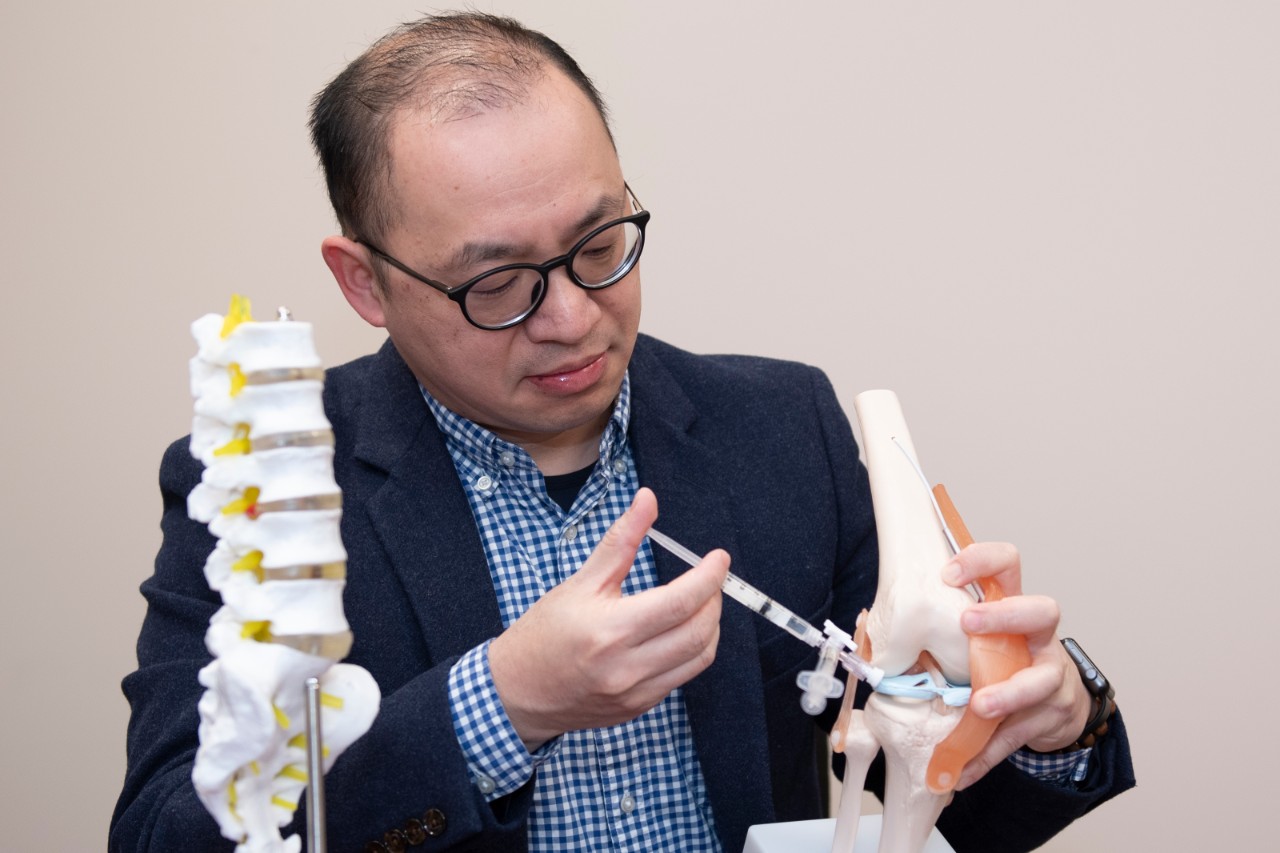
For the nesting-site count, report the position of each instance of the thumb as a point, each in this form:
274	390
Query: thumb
612	559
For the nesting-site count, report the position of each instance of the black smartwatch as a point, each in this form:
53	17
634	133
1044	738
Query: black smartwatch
1100	689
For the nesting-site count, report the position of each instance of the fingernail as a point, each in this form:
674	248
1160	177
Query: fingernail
951	573
984	706
970	621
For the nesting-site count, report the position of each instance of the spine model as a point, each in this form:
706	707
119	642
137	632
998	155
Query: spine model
268	494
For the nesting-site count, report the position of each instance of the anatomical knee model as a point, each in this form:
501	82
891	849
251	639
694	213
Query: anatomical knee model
909	646
918	714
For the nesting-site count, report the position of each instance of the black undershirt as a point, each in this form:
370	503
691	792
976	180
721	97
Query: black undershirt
564	488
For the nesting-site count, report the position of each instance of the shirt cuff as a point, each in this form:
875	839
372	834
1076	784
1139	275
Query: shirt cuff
497	759
1067	768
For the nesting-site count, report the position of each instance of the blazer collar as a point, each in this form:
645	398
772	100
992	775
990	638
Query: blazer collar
421	514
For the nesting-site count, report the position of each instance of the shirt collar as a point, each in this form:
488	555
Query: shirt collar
470	440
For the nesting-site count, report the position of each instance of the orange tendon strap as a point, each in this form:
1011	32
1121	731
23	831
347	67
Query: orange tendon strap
840	731
992	659
952	517
991	590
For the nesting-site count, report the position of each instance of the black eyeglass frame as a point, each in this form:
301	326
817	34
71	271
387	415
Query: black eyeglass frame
458	293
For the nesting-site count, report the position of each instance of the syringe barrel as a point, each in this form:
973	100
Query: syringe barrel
745	594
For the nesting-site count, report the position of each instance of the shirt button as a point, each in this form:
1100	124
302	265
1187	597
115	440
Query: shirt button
571	533
507	459
484	484
619	465
485	784
628	804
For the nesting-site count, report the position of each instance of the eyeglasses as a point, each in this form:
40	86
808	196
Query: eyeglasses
508	295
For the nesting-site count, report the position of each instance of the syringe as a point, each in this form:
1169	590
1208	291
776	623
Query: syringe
833	645
744	593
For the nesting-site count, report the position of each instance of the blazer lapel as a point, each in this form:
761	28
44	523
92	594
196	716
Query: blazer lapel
421	514
723	702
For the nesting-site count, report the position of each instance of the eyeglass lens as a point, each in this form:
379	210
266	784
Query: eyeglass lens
507	294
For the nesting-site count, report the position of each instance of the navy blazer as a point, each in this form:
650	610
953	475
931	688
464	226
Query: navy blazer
746	454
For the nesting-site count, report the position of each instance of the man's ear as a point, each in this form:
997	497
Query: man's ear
349	263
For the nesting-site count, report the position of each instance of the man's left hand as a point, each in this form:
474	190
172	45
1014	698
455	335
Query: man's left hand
1045	705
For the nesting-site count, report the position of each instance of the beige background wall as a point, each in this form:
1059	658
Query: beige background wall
1051	227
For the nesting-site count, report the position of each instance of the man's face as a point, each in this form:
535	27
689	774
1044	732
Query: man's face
518	184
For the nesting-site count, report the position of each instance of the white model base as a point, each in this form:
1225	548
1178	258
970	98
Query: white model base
814	836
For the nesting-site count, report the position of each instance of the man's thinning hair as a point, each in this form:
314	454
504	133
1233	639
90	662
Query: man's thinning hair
450	65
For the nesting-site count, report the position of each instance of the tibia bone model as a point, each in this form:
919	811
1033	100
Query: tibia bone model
269	495
912	627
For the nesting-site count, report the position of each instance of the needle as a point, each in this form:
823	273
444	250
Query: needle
744	593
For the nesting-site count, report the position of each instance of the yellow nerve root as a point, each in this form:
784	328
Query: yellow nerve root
257	630
238	445
331	701
238	313
244	503
293	771
237	378
281	717
251	562
299	741
284	804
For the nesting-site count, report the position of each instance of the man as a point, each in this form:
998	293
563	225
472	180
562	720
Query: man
549	682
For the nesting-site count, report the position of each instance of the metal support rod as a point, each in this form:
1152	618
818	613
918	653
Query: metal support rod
317	841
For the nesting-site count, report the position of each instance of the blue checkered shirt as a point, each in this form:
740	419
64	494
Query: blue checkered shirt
632	787
1066	768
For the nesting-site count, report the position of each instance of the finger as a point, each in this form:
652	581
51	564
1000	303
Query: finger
690	665
1034	616
693	638
612	559
997	560
635	682
658	610
1047	701
1025	689
1047	726
1002	744
620	702
1016	731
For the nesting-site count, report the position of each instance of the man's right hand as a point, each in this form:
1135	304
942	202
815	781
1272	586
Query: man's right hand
585	656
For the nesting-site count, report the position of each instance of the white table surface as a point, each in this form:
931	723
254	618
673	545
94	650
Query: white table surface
814	836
